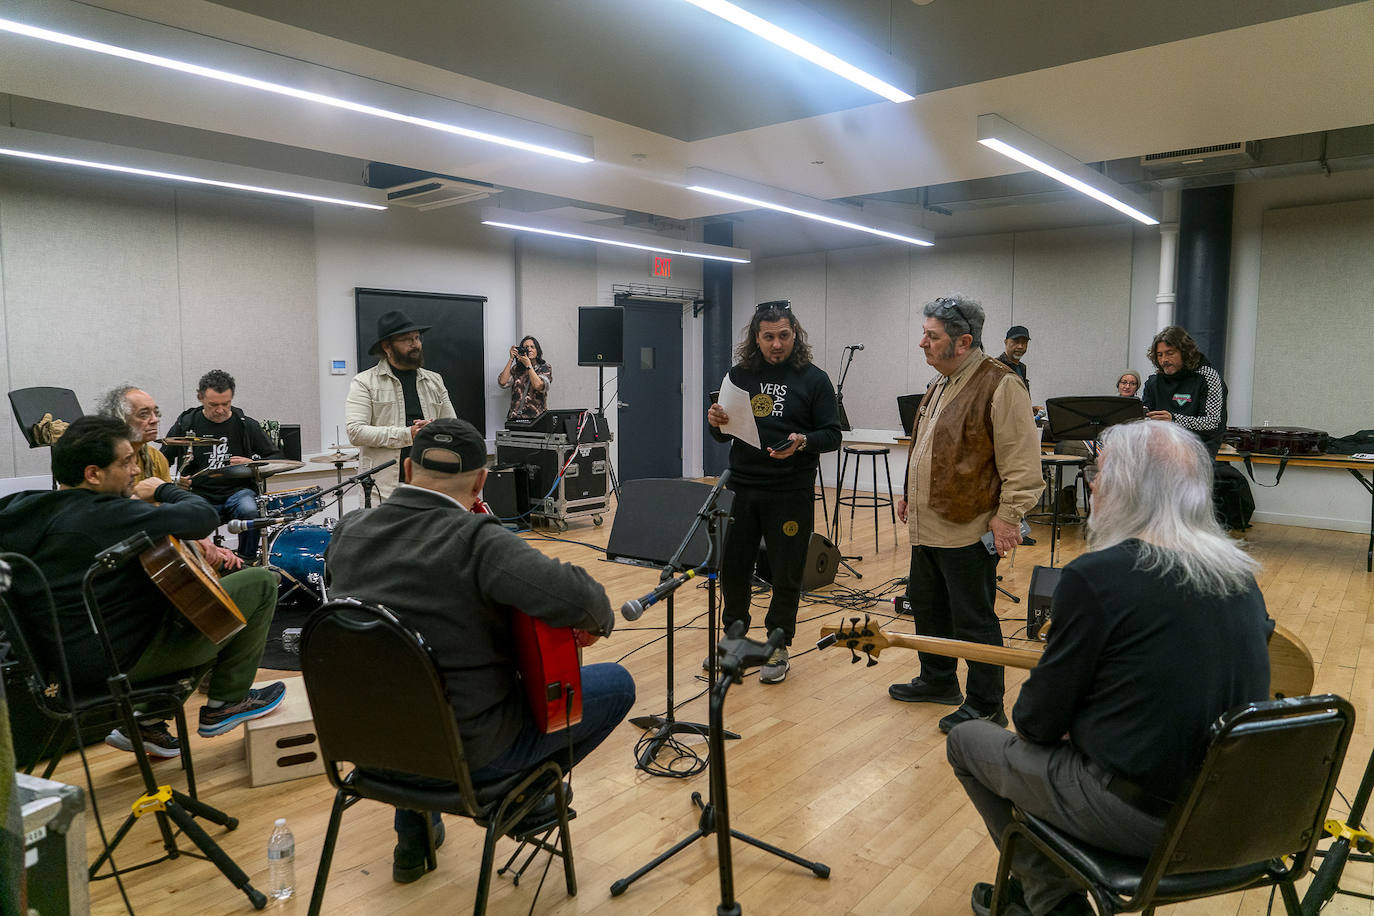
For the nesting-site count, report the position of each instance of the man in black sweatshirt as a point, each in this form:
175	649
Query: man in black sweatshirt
1185	389
794	407
98	504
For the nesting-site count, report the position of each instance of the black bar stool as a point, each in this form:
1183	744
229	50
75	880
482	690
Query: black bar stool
864	501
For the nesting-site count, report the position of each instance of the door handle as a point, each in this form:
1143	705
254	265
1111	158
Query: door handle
621	404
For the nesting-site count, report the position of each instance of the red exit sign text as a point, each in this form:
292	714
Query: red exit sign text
661	267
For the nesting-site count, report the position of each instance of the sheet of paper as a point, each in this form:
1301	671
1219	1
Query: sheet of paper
734	400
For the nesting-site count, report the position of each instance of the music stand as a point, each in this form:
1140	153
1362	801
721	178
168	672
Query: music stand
1086	417
30	404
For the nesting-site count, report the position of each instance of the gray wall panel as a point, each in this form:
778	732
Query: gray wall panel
554	277
865	288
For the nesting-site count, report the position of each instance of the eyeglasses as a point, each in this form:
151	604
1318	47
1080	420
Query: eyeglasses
952	305
776	305
148	413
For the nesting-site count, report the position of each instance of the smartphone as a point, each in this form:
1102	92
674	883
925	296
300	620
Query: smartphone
991	545
715	396
779	446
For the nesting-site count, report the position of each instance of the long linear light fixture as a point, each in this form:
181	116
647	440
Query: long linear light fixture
799	46
997	133
728	187
609	235
237	79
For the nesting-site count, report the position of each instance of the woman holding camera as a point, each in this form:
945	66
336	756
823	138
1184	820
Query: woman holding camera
528	377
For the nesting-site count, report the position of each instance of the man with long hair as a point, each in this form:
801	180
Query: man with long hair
1158	630
798	419
1185	389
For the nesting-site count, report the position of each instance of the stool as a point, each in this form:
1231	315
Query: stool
853	500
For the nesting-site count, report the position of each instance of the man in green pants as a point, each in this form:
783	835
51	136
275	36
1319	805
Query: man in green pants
97	505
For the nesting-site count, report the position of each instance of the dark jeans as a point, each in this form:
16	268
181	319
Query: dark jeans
241	504
608	692
783	520
952	591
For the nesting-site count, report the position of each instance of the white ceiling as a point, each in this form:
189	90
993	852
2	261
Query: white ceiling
1100	89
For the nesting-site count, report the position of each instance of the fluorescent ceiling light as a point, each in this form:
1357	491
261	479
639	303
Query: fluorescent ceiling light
801	47
224	76
728	187
997	133
609	235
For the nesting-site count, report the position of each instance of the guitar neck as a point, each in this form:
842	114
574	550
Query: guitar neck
972	651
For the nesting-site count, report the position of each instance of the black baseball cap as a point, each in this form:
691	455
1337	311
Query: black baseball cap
449	446
1017	330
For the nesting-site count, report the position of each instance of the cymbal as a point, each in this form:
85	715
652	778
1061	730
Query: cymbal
190	440
338	456
248	469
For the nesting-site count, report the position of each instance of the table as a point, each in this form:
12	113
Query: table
1356	466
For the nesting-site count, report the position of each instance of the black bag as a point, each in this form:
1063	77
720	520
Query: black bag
1231	497
1353	444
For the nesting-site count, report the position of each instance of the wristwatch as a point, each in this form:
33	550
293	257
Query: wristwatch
801	442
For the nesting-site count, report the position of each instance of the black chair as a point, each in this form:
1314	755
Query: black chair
406	731
1252	816
30	404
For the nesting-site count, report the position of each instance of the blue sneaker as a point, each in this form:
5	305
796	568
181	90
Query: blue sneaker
259	702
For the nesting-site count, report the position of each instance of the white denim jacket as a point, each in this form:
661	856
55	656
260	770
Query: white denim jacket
376	416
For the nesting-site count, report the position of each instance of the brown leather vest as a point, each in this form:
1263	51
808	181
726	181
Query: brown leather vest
963	465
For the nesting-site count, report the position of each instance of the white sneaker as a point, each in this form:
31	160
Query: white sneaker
774	670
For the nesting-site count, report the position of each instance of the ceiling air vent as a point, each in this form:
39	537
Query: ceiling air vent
1238	154
435	192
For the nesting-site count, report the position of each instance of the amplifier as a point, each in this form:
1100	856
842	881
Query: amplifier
1044	580
564	423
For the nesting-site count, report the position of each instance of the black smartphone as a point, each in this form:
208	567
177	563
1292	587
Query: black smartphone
715	396
779	446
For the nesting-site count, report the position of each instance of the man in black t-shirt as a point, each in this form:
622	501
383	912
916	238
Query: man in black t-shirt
1186	390
241	441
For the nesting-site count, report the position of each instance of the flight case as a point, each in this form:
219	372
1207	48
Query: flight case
583	488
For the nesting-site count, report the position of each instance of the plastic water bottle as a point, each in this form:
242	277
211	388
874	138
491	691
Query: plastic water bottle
281	861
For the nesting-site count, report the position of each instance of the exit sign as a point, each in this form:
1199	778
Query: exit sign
661	267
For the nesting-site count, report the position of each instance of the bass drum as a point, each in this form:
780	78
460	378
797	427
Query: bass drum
296	552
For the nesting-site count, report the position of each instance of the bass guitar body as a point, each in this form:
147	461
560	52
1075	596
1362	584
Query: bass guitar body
181	573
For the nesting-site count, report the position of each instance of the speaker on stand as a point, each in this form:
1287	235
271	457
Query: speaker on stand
601	343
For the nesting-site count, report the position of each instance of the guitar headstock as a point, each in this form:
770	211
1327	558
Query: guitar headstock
857	637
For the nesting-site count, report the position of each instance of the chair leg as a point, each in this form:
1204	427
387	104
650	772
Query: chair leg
56	741
1291	904
891	503
839	492
565	839
183	735
479	905
331	836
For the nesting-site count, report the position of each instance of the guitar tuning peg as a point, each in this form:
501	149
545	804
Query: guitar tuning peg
853	657
871	661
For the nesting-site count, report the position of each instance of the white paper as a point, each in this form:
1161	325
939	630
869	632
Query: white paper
734	400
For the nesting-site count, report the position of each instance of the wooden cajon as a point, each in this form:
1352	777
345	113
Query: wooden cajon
283	745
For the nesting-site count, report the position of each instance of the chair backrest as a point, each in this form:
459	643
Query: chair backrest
29	405
1264	788
377	697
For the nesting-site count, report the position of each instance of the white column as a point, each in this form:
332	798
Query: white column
1168	262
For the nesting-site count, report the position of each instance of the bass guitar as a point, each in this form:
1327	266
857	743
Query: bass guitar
180	572
1290	664
550	667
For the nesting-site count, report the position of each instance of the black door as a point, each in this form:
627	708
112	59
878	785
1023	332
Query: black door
650	390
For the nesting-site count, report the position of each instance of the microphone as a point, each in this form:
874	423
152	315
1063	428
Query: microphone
855	347
240	525
635	607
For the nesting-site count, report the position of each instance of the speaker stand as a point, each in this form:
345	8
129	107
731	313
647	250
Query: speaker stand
601	415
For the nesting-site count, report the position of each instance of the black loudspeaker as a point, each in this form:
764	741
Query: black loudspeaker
822	560
507	494
601	336
652	517
291	440
1044	580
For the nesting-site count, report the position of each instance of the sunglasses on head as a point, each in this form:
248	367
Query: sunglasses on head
776	305
952	305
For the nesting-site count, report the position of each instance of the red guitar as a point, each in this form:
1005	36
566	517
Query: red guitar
549	665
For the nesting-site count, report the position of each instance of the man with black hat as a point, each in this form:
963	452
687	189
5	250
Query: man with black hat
1017	343
453	575
389	403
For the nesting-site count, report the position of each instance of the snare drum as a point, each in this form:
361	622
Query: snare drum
302	499
297	552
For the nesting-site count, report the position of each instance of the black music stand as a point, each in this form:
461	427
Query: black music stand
1086	417
30	404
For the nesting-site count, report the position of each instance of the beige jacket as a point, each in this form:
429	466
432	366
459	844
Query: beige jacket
376	416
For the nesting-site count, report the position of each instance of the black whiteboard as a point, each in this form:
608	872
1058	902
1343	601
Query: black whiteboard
453	346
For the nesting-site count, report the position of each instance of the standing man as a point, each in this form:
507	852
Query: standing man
798	419
454	575
391	402
1108	733
973	471
1017	343
241	441
1185	389
62	530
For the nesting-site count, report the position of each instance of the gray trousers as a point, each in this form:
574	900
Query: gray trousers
1054	783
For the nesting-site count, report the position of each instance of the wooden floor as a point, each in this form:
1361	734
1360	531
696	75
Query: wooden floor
827	766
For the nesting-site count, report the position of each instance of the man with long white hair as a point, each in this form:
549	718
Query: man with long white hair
1157	630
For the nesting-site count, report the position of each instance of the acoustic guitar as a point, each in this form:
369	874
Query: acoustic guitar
1290	664
181	573
550	666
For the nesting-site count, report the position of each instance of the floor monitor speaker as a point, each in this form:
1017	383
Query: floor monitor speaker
822	561
1044	580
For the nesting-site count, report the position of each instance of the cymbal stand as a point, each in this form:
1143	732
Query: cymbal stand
163	802
736	653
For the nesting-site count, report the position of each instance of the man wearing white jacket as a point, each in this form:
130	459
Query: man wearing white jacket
389	403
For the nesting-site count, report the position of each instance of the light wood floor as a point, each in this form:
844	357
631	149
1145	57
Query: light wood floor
827	766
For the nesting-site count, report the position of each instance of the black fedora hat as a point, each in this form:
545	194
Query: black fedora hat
391	324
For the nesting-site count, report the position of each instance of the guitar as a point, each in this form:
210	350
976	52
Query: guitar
550	666
1290	664
181	573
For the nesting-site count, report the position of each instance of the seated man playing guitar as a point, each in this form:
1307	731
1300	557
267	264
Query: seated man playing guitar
1156	631
455	575
97	505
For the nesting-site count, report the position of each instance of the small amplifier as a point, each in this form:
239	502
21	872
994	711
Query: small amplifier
1044	580
902	605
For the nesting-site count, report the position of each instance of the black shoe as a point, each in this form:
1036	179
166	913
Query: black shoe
543	815
918	691
1016	900
967	713
156	739
408	861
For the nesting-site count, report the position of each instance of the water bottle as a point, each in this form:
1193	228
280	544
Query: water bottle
281	861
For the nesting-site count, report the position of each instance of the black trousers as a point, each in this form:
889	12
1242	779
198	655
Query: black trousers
783	520
952	591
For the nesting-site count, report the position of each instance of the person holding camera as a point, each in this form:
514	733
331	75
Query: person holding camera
528	377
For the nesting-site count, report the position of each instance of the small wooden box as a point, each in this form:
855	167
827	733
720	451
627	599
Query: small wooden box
282	745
